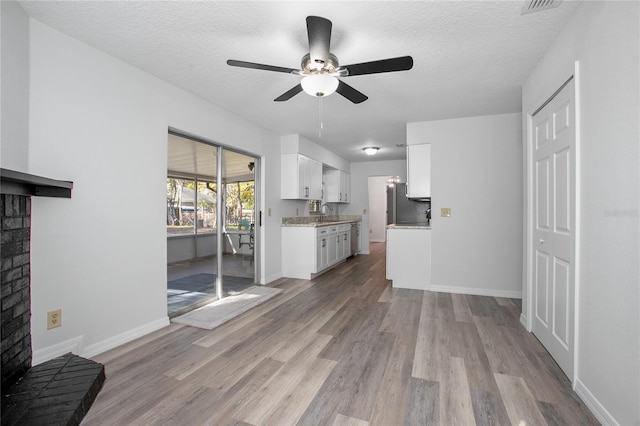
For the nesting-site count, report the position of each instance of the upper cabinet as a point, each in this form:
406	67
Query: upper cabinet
338	186
419	171
301	177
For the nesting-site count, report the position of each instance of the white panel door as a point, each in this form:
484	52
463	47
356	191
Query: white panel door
554	226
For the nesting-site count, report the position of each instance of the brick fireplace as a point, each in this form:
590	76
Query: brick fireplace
16	295
61	390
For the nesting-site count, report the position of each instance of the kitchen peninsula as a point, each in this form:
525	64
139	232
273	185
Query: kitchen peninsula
312	245
409	255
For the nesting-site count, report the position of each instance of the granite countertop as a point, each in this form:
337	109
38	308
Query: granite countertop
316	221
420	225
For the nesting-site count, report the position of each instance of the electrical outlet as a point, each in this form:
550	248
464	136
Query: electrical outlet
54	319
445	212
269	214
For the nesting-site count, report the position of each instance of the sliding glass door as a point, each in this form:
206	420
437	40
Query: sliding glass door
211	227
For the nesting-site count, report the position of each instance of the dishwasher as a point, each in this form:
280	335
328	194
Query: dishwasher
354	238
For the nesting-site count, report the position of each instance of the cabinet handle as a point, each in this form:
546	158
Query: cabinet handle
341	196
306	191
345	237
324	242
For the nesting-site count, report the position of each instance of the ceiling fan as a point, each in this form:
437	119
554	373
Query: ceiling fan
320	68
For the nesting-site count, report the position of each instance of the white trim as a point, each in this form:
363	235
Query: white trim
271	279
377	241
577	222
524	321
594	405
120	339
73	345
511	294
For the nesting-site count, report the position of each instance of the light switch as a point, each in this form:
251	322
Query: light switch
445	212
297	212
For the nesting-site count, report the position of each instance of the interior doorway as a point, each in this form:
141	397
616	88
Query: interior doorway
378	208
211	222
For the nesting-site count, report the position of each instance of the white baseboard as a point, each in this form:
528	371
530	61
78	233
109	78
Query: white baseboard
523	321
120	339
45	354
594	405
477	291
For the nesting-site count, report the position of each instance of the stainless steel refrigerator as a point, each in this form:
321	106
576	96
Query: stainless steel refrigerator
401	210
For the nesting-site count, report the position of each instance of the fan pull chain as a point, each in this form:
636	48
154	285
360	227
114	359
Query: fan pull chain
320	111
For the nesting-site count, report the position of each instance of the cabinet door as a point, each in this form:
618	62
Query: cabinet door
345	184
338	186
314	181
419	171
346	244
333	249
322	259
291	181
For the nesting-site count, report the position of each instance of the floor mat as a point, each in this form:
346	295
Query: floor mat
214	314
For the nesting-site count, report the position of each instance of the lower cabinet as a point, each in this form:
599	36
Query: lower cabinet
409	258
308	251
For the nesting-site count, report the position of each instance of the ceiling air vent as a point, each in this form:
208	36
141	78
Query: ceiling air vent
538	5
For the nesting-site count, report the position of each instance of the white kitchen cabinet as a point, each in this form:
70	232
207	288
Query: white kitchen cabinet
308	251
300	177
337	185
409	257
419	171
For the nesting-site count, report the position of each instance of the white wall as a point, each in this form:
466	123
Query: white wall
101	256
14	86
604	38
476	171
359	205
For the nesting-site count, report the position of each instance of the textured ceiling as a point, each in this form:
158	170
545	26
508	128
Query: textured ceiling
470	58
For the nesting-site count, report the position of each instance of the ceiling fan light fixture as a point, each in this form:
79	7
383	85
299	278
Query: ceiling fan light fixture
370	150
319	84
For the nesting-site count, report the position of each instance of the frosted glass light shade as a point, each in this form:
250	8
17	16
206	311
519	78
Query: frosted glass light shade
319	84
370	150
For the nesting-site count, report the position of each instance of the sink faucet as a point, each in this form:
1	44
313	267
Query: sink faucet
325	205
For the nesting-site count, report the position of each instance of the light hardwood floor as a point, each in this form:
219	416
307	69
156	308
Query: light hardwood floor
343	349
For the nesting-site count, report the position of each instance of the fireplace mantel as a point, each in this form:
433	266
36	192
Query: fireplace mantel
19	183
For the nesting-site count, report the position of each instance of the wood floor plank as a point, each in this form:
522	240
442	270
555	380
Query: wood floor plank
519	401
488	408
286	382
344	348
423	403
456	407
479	373
293	403
342	420
349	389
244	390
402	319
461	308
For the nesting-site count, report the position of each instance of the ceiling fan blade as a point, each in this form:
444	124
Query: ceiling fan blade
289	94
319	33
402	63
350	93
253	65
